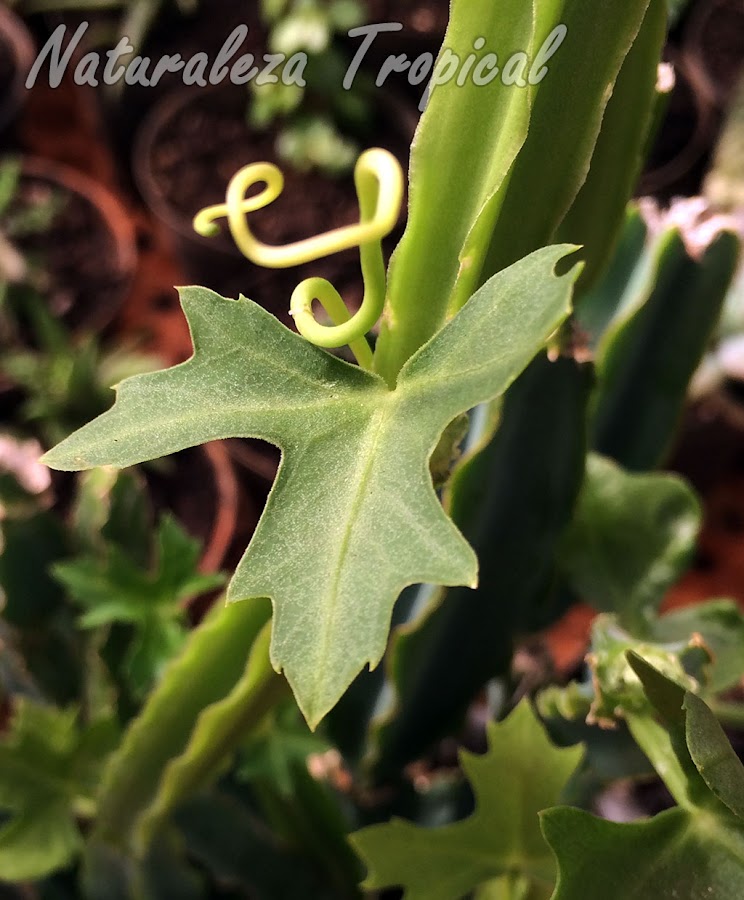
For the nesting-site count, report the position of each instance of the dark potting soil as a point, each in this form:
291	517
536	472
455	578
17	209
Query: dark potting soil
201	146
77	257
7	68
184	485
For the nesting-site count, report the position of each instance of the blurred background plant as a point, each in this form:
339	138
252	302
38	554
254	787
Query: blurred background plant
314	121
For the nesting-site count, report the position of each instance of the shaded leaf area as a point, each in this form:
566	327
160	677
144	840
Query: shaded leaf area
354	475
42	652
114	589
628	272
274	751
49	768
66	381
224	836
695	851
41	625
511	497
630	539
674	855
308	816
650	352
521	774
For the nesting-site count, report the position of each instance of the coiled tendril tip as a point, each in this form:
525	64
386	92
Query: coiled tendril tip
380	187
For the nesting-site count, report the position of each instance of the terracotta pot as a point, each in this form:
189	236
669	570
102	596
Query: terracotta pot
108	287
714	40
17	53
206	173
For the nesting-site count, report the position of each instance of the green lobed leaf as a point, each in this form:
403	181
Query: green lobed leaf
115	589
521	774
353	517
674	855
631	538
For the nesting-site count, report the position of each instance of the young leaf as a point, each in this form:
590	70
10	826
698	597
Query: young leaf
695	852
521	774
353	517
113	589
47	766
631	538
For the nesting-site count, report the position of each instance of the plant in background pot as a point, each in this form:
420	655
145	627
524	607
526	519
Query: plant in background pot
195	140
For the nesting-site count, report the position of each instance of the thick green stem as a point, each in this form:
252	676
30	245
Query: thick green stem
217	735
207	671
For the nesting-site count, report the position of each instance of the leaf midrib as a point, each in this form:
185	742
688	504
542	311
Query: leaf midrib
379	419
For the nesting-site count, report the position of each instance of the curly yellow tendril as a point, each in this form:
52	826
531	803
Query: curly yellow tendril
379	184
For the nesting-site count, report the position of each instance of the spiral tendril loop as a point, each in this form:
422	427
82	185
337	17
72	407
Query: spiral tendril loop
380	186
